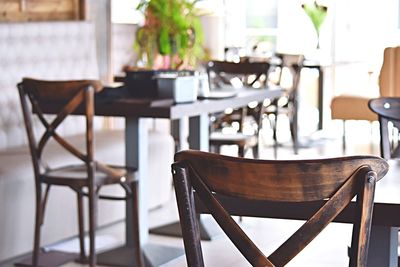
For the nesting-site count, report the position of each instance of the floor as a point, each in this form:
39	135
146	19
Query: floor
330	247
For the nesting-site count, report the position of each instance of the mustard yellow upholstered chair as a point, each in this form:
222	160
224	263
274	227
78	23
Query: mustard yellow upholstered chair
350	107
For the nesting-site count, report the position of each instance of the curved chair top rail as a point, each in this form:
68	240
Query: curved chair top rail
277	180
387	107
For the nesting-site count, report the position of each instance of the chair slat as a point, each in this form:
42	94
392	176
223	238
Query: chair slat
228	225
309	230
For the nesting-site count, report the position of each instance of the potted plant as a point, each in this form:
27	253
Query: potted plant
317	14
171	36
169	41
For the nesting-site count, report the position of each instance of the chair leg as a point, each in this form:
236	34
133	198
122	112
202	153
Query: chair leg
139	261
274	124
81	227
218	149
38	224
294	132
241	154
241	151
255	151
275	141
293	121
92	225
275	127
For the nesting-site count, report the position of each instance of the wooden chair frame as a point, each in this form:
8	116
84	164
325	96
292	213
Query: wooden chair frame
388	110
210	178
73	96
294	64
249	73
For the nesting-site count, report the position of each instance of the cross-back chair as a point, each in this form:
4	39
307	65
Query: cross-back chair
86	177
226	186
222	74
288	69
388	111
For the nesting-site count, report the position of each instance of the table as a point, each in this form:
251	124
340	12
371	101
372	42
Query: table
136	135
385	221
315	65
136	143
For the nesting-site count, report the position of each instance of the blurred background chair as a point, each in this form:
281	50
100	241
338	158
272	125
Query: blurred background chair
237	127
228	186
286	74
87	176
388	111
285	71
353	107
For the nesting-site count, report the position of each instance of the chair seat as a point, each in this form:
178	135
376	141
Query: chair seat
240	139
341	105
76	175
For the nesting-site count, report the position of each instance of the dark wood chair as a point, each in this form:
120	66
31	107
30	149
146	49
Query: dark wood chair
388	111
225	186
220	74
288	104
85	178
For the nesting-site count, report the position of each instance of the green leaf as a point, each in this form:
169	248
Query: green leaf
164	44
316	13
173	20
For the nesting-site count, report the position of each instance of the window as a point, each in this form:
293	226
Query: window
250	23
261	24
124	11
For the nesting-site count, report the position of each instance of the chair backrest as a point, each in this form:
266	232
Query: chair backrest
71	95
249	74
227	185
220	73
388	110
389	78
292	63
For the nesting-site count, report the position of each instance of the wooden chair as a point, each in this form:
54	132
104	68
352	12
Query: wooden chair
388	111
288	78
220	74
354	107
85	178
227	186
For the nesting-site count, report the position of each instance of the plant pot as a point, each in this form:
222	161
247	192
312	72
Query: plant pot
181	89
144	83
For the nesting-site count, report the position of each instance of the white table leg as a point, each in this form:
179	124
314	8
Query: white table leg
136	150
136	145
199	132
